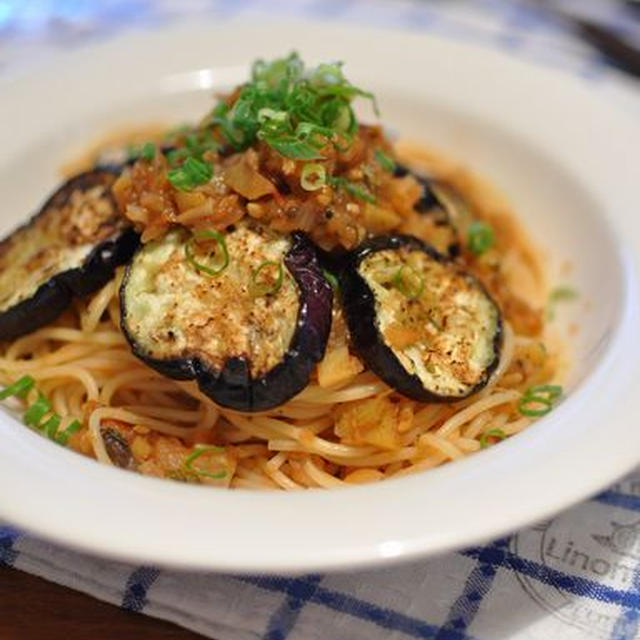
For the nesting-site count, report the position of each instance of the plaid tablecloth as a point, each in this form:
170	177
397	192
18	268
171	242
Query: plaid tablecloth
575	576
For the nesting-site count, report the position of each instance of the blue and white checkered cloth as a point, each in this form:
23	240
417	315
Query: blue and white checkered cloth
576	576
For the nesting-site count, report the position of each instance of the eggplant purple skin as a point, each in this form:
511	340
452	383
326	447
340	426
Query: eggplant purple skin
55	295
118	449
232	386
359	305
428	200
428	203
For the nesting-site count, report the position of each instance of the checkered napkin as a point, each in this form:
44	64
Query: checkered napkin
574	577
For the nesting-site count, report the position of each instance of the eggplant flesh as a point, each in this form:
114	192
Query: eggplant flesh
443	207
71	247
247	352
428	329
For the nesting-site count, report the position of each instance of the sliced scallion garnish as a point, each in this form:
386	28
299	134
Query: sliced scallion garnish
550	391
19	388
201	450
385	161
34	414
192	173
62	437
562	293
538	400
409	282
294	110
261	285
534	406
559	294
356	190
192	143
313	176
480	237
485	438
222	255
148	151
50	427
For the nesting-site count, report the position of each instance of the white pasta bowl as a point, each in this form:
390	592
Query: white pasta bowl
567	162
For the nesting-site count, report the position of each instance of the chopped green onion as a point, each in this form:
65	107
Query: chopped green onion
409	282
314	133
211	234
480	237
385	161
313	177
192	143
562	293
559	294
200	141
294	110
265	114
19	388
62	437
491	433
356	190
259	289
37	411
331	279
50	427
177	156
148	151
534	406
191	174
360	192
304	143
345	120
194	455
291	147
550	391
538	400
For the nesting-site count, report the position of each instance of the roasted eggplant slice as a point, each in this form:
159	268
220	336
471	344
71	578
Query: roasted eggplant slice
428	329
71	247
443	207
250	331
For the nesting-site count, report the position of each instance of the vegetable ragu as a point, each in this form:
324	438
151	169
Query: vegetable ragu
275	297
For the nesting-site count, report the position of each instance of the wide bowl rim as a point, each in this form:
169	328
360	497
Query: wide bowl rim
123	516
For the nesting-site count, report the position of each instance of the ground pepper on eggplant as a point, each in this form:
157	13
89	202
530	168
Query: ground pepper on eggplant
427	328
250	338
276	226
